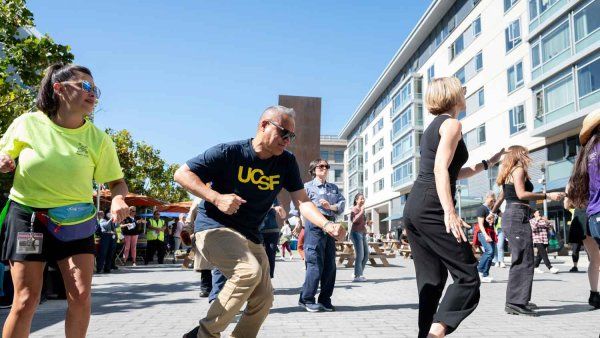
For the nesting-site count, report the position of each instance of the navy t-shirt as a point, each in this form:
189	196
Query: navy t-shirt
483	212
234	168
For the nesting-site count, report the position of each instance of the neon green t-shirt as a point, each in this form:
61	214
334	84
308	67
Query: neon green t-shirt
56	165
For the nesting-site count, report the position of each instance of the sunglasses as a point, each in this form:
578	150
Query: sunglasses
87	87
323	166
284	133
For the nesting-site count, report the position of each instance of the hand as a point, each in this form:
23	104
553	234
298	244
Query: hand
496	158
119	209
491	218
454	225
229	204
362	207
487	238
325	204
297	230
555	196
6	164
280	212
336	231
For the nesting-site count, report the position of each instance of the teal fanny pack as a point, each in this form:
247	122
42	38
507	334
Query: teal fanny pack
69	222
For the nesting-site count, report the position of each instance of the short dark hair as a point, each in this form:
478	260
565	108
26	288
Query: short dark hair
312	167
58	72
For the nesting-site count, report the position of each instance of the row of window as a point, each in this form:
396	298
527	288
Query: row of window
465	39
459	10
338	155
555	45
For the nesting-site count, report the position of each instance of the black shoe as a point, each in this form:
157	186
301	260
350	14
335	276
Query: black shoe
594	299
574	269
99	272
515	309
531	306
193	333
107	271
114	267
204	294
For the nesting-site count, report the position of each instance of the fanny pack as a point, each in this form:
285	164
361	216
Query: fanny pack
70	222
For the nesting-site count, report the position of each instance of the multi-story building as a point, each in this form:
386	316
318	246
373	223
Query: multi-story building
532	72
332	150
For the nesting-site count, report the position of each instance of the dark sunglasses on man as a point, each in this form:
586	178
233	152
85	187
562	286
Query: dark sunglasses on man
284	133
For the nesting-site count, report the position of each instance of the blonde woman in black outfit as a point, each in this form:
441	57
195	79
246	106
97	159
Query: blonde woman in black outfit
435	232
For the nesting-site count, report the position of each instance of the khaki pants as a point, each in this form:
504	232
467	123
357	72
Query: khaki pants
246	266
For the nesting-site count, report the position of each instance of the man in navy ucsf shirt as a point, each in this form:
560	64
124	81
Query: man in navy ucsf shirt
246	177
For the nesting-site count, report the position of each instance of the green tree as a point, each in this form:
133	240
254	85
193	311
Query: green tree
145	171
23	58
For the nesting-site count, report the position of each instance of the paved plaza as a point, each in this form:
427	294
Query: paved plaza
162	301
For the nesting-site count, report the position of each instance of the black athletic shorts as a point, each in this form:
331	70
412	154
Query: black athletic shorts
18	220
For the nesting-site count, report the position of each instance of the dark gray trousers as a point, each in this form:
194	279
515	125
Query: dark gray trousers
515	223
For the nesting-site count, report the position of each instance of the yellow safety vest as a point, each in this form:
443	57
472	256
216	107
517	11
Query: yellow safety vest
152	234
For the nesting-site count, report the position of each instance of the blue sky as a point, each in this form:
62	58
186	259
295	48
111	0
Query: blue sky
185	75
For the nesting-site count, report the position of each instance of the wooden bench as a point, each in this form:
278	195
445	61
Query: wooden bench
379	254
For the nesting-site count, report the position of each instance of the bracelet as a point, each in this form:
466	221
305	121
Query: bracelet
485	164
545	196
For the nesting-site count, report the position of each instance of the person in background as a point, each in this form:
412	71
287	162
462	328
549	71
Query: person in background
155	234
499	258
107	243
299	233
583	192
177	228
270	233
358	235
284	240
131	229
539	231
485	236
577	232
200	264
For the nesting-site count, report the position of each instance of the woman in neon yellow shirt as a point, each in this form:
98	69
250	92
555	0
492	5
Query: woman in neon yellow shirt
60	152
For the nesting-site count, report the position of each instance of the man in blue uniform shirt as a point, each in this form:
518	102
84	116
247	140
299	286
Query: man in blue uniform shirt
246	177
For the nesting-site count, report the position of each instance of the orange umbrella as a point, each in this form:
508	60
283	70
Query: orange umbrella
176	207
132	199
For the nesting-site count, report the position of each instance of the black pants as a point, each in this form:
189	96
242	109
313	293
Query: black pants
105	253
515	223
205	280
270	241
435	253
155	246
576	249
542	253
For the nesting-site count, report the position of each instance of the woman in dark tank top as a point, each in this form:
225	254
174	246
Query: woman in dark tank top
435	234
517	191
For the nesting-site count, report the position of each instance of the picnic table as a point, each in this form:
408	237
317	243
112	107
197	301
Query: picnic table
391	245
346	253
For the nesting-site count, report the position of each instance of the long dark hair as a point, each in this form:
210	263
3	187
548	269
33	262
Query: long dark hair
357	196
579	183
47	101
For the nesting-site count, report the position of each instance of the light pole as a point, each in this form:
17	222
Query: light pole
459	199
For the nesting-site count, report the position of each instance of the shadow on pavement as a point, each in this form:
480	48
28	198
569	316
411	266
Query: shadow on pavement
112	298
564	309
344	308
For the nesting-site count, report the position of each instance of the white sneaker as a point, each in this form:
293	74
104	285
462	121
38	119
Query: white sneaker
356	279
480	275
554	270
133	264
487	279
362	279
502	265
538	270
497	264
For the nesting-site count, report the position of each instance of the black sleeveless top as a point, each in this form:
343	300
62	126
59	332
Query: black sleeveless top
429	145
510	193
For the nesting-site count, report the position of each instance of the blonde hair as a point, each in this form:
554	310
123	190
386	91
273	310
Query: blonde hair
443	94
516	156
